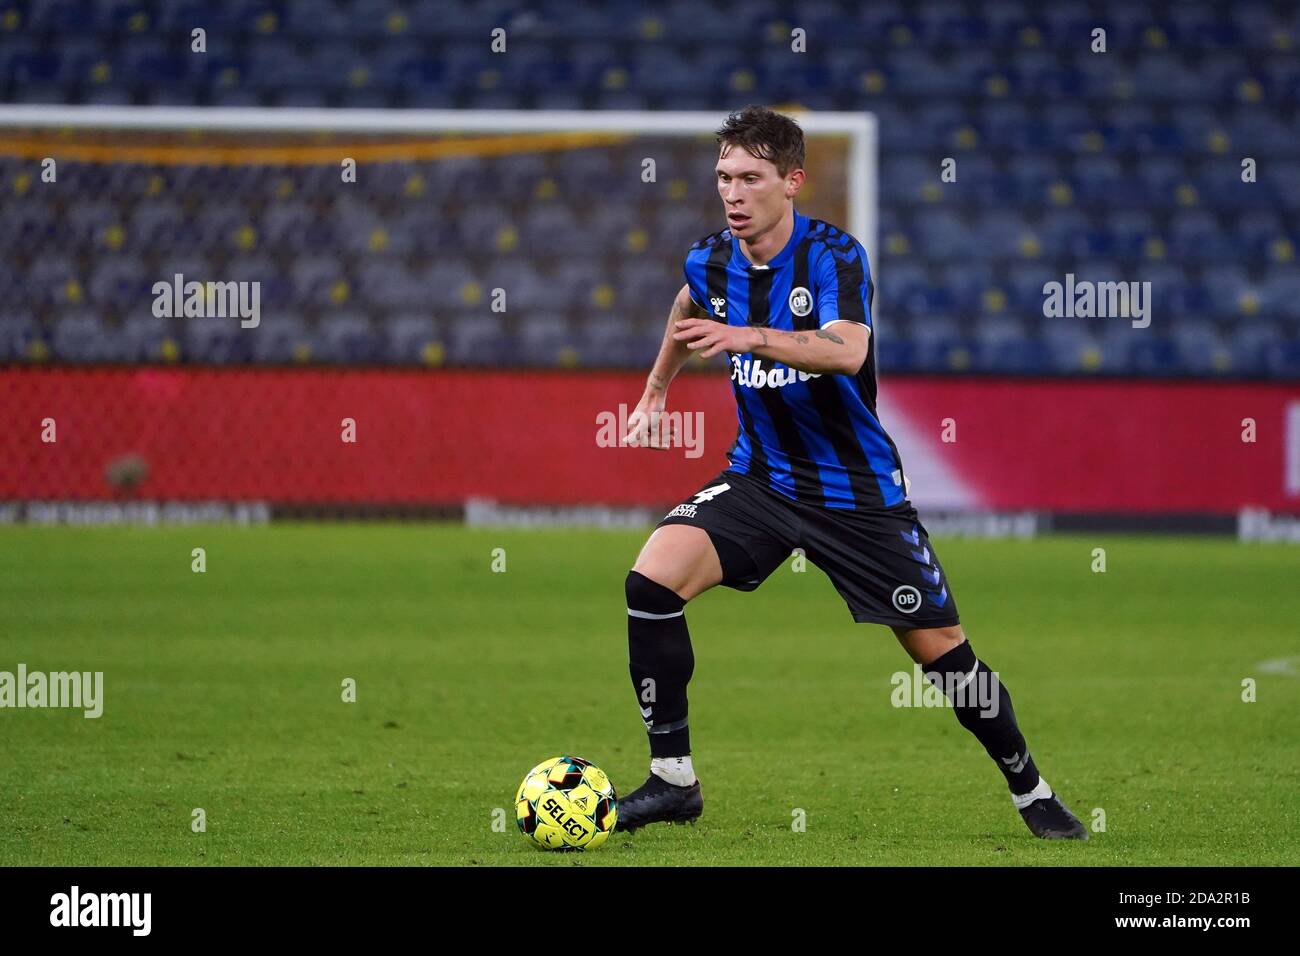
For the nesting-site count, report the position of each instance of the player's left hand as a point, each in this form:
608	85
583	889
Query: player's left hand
714	337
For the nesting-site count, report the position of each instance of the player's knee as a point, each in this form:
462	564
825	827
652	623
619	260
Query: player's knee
928	644
648	596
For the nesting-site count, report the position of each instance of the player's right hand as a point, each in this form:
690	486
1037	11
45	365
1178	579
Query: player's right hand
649	427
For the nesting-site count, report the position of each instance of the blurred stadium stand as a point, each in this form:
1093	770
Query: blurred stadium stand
1124	165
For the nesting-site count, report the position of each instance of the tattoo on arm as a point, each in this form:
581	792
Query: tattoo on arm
655	381
801	339
763	335
823	334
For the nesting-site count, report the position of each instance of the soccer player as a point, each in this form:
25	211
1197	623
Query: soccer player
789	299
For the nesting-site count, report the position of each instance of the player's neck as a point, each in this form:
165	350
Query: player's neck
768	246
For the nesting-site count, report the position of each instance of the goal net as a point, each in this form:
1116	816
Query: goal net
370	236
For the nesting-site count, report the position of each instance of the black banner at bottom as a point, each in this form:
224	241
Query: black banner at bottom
562	893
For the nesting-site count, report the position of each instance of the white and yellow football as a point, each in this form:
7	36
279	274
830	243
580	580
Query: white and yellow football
566	803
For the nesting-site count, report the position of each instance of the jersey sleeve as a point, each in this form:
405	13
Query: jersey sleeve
693	269
844	287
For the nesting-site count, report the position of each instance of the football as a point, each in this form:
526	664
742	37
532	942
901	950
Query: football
566	803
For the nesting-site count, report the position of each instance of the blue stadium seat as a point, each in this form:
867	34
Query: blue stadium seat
292	225
18	333
118	280
82	337
388	283
482	226
608	23
1154	355
544	338
349	337
1130	231
1248	341
664	69
141	338
1060	232
601	343
1201	348
410	337
65	17
1228	287
1257	230
905	288
676	227
216	341
916	72
1280	294
1285	180
182	16
1196	236
1127	164
1097	179
1159	177
275	286
316	279
281	339
1175	292
1024	287
651	286
192	266
1069	344
1263	130
450	281
53	280
1282	358
480	339
943	235
1001	234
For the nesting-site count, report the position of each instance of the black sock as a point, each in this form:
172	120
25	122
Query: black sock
661	662
983	707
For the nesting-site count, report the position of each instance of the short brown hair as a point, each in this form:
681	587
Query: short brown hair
766	134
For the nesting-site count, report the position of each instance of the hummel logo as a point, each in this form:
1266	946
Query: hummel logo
646	711
719	306
1016	763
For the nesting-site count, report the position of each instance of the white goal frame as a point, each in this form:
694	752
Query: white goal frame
860	128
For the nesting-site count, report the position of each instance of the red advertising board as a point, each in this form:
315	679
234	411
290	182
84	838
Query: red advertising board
542	437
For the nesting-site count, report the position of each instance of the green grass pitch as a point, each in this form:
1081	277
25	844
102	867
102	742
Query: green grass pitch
222	691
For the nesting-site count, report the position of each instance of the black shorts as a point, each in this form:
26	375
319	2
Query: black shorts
880	560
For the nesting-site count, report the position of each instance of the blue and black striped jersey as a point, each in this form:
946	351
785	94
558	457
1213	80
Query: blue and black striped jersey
813	438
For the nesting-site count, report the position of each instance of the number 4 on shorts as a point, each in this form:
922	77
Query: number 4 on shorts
708	494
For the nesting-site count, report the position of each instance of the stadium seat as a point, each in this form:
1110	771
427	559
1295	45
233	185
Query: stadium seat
414	339
1128	162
